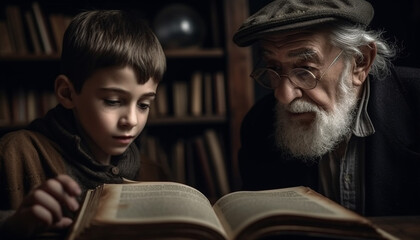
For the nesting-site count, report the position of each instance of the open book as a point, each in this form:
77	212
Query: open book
168	210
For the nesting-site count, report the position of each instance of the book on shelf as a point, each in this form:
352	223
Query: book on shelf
203	95
32	105
196	94
179	161
197	160
40	20
205	171
180	98
169	210
220	93
217	160
5	117
153	150
16	28
33	32
47	101
215	20
162	100
190	163
19	107
6	43
59	24
149	148
208	93
153	110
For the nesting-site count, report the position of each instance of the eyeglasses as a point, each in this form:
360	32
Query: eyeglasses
299	77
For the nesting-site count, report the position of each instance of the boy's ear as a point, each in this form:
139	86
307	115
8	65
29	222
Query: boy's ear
361	66
64	91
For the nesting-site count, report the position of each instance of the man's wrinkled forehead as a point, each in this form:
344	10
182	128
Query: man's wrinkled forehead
274	44
300	54
286	35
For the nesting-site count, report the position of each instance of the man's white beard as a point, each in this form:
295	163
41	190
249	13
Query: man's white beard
328	128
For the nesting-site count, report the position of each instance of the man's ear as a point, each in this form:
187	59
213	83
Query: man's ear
361	66
64	91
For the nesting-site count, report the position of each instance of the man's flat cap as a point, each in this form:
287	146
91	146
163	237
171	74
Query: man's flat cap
281	15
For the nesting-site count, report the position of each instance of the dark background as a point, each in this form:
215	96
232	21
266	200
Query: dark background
400	21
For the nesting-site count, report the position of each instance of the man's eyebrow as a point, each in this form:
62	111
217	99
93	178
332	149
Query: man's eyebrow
266	52
305	54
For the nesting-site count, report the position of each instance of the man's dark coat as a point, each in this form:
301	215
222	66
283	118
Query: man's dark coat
392	163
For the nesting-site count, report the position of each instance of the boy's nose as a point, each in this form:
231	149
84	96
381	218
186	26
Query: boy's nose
130	117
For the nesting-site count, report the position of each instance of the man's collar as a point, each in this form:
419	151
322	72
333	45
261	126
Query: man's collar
363	126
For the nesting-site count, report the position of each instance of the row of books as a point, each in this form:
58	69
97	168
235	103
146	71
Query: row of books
28	30
198	161
203	94
21	106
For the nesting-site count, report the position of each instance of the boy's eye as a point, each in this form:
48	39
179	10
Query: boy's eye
111	102
143	106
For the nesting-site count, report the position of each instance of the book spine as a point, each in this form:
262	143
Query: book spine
205	169
33	32
220	93
208	94
42	27
196	93
15	21
217	160
162	100
180	98
5	117
6	44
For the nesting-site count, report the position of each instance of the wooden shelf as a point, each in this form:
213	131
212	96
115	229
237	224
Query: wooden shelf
194	52
170	53
157	121
28	57
160	121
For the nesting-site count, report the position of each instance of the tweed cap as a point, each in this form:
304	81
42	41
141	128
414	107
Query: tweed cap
281	15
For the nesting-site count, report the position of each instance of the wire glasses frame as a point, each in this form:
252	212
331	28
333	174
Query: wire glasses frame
299	77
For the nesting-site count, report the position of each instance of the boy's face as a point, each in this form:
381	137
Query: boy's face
112	110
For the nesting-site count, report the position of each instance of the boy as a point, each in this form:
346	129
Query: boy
111	65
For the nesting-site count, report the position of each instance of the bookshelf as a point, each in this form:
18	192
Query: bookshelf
31	72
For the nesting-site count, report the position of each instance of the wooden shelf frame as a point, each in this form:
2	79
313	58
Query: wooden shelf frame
240	86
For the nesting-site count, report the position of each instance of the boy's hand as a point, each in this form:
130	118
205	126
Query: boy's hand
43	208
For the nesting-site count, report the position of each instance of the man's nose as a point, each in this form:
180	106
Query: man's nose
285	91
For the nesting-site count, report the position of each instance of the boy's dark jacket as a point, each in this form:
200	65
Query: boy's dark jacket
51	145
392	165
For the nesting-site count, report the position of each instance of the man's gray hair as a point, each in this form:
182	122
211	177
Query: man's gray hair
351	38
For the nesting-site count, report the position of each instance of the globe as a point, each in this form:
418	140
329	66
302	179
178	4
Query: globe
179	26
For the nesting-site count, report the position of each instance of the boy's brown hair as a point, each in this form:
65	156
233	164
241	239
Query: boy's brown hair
110	38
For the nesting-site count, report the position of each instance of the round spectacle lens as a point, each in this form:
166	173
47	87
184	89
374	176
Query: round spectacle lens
303	78
268	78
272	78
299	77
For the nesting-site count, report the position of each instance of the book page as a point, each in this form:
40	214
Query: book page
155	202
238	210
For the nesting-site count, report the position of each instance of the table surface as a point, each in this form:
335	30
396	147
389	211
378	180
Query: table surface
405	228
402	227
